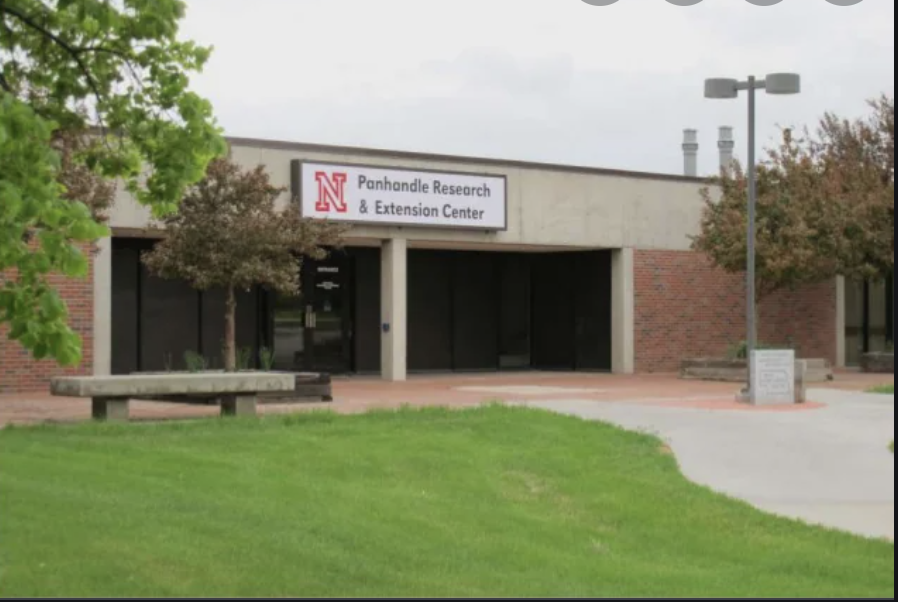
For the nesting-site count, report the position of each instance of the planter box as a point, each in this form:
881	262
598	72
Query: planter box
878	363
736	371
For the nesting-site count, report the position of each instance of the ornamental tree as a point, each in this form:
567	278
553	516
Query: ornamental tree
229	233
824	206
90	91
859	168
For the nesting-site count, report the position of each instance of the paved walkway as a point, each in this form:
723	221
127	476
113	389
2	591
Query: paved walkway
825	462
830	467
362	394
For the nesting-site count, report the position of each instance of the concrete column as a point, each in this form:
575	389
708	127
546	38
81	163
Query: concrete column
623	353
393	308
102	322
690	153
841	355
726	146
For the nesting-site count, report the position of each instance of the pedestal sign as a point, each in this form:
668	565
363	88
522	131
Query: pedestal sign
773	377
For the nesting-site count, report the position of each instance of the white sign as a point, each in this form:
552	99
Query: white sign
773	377
369	195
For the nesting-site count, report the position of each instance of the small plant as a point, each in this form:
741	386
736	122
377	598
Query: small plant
195	362
266	358
244	356
167	362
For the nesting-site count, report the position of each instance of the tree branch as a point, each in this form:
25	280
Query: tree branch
73	52
104	50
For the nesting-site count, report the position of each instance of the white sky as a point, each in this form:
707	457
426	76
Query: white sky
541	80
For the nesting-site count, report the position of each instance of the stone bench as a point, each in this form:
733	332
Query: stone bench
237	393
309	387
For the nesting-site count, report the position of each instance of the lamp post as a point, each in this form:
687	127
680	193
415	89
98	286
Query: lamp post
724	88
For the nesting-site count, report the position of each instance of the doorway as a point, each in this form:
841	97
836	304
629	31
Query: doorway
313	330
571	311
869	318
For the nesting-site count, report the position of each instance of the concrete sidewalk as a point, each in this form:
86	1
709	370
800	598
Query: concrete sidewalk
830	467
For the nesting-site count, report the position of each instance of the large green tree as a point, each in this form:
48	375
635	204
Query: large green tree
91	91
825	205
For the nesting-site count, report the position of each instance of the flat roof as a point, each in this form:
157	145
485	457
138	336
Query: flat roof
458	159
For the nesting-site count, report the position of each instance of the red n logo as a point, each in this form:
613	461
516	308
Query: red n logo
331	192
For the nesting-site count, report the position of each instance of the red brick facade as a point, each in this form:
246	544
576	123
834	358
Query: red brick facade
19	372
686	308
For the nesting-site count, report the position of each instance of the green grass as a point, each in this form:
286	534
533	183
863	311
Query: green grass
494	502
884	389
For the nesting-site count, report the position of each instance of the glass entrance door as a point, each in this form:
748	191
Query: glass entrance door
312	331
327	324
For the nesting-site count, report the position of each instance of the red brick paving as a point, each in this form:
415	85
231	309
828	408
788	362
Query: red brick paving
353	395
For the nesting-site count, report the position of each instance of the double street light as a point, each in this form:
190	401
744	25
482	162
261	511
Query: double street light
723	88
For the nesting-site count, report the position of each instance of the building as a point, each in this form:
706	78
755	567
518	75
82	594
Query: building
454	264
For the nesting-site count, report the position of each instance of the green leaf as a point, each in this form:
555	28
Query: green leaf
52	306
156	126
40	351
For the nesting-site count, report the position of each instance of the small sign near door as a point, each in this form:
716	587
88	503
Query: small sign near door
329	286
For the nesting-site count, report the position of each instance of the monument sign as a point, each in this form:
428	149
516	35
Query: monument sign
773	377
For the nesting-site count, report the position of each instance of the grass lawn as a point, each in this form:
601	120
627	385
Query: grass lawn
885	389
495	502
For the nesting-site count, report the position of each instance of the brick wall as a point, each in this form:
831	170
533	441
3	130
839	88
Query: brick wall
686	308
19	372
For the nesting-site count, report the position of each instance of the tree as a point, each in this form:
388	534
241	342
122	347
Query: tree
859	167
229	233
90	91
824	206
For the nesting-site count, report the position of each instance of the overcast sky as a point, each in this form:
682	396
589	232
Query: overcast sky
541	80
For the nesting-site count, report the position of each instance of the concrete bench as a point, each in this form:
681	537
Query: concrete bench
237	393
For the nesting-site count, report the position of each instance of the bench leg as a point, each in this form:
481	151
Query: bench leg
233	405
109	409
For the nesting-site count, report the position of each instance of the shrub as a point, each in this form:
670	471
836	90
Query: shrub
244	357
266	358
194	361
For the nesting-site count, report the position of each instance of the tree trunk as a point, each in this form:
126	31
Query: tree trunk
230	333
